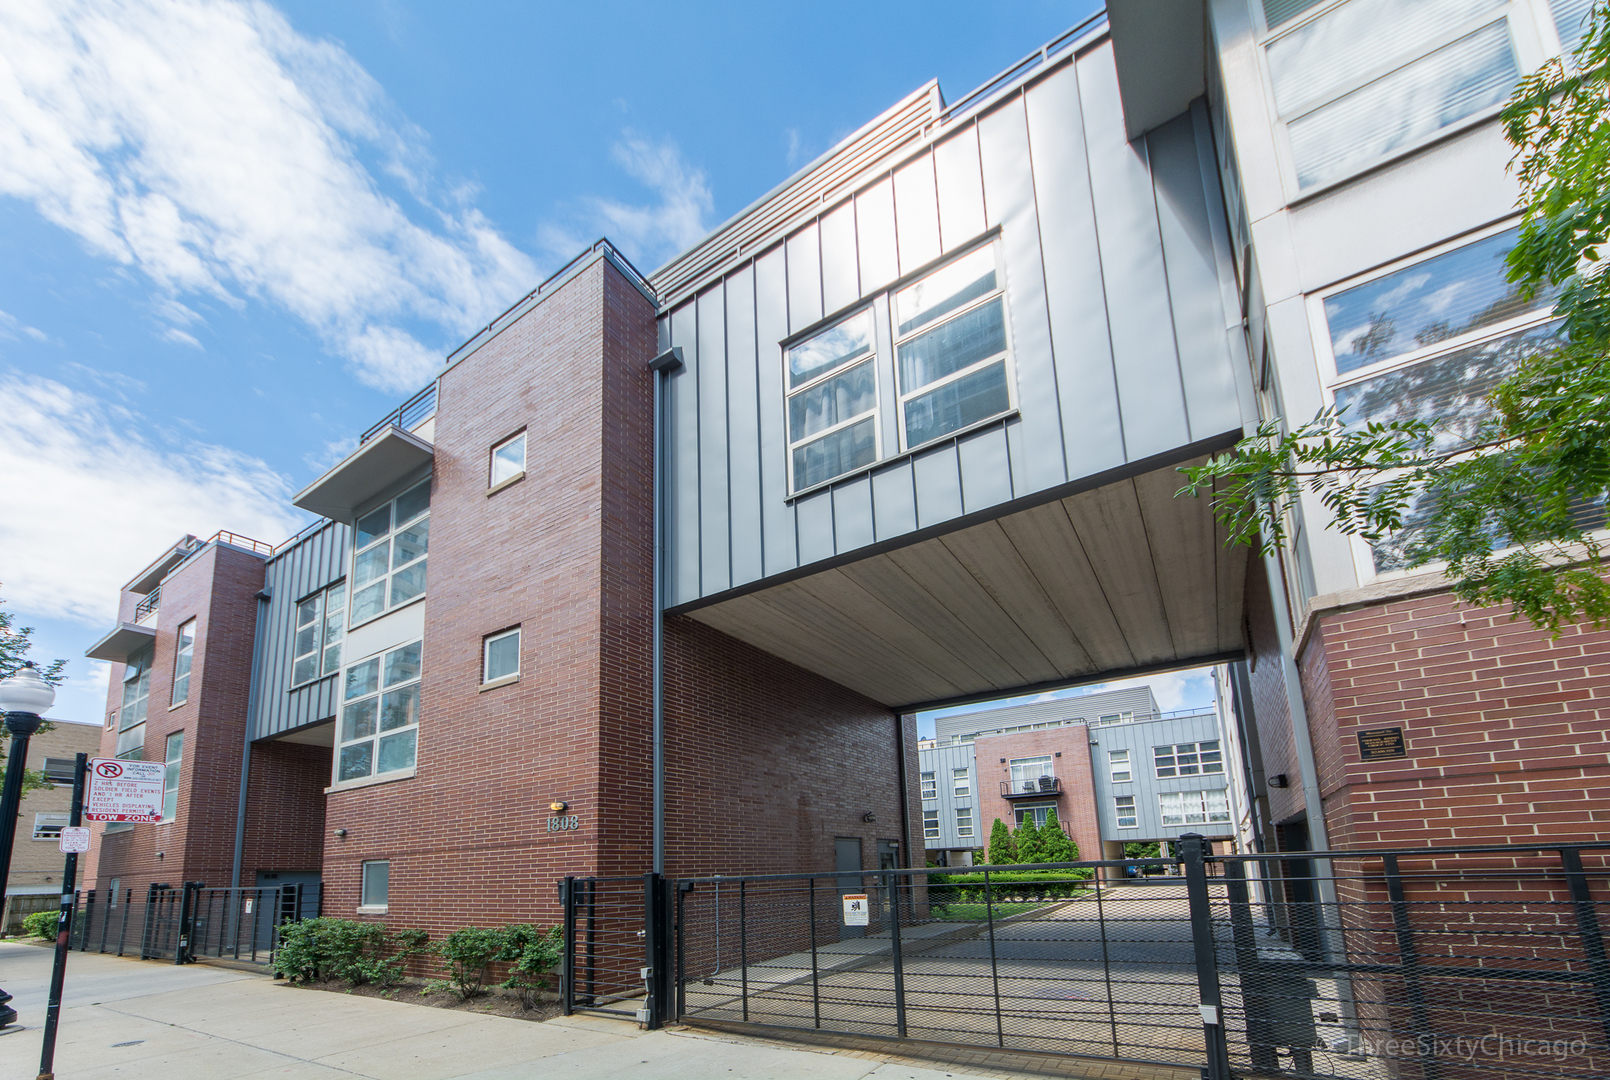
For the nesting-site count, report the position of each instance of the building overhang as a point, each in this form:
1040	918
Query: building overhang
384	460
1159	47
122	643
149	578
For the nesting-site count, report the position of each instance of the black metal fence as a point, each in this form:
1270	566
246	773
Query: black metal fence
191	921
1423	964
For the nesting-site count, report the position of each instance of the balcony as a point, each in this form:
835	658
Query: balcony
1044	787
147	608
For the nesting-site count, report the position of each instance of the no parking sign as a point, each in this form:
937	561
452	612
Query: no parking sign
124	790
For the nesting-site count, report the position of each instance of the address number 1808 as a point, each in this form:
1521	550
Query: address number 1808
564	824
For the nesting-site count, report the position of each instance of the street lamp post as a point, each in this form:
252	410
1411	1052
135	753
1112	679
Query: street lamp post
23	696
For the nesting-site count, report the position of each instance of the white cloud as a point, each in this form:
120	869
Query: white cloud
649	233
179	337
90	500
9	323
210	146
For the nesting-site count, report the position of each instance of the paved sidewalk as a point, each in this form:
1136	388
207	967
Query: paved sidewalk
129	1018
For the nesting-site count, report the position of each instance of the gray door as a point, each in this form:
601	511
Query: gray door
847	863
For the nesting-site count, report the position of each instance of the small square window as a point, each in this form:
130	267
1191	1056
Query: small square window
49	826
376	884
508	459
1124	805
930	824
501	656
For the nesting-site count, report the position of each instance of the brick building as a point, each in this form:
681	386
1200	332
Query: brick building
36	861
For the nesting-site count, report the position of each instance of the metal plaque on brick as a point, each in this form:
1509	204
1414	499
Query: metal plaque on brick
124	790
1379	744
855	909
74	840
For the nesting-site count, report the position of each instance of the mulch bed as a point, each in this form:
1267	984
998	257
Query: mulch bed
490	1003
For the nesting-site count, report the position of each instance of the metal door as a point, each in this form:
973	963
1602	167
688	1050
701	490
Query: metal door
847	863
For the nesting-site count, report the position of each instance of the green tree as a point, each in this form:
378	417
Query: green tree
1027	839
1055	844
1149	850
1508	502
1002	849
15	642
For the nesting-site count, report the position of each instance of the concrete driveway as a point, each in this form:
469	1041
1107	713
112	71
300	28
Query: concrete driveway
129	1018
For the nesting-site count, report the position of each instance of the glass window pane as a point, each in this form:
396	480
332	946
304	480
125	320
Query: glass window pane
356	761
945	290
508	460
1450	84
402	664
371	565
955	405
410	543
502	657
376	883
369	602
307	640
305	669
1452	294
413	502
407	584
397	751
1277	12
846	450
131	742
358	720
831	401
363	678
399	708
372	527
307	612
332	659
959	343
1570	19
1343	45
829	349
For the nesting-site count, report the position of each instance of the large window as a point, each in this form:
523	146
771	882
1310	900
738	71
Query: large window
320	626
1427	340
389	547
1039	812
930	786
1188	759
379	715
1118	763
131	717
170	776
1194	807
1029	771
1124	808
833	402
951	350
500	656
375	895
930	824
182	657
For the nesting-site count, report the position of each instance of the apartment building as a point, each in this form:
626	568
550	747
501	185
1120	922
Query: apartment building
36	860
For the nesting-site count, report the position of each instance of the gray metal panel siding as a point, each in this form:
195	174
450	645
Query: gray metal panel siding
916	210
771	326
1139	739
1193	279
1132	263
894	501
942	761
874	236
804	279
986	475
316	562
939	494
959	180
813	520
1089	707
852	514
841	278
743	419
682	438
714	531
1092	431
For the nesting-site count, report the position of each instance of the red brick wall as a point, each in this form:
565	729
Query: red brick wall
1269	698
1076	808
285	808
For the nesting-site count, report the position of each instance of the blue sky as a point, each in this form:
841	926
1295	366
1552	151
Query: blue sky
233	235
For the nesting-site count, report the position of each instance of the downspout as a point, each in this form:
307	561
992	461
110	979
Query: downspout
246	743
905	792
662	366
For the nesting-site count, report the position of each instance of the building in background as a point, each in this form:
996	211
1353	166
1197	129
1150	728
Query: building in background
36	861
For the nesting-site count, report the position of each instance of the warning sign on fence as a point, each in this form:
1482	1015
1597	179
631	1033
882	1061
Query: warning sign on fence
123	790
855	909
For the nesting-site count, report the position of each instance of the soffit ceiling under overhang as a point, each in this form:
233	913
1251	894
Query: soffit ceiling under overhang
122	643
385	459
1121	579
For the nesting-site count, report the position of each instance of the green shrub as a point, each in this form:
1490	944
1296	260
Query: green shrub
1005	885
1055	845
1002	851
1027	839
531	955
345	949
469	952
42	924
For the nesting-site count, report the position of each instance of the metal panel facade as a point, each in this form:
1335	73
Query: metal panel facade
1141	739
316	561
1114	283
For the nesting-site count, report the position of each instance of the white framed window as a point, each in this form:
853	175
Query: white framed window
1026	773
1194	807
508	460
964	821
1354	82
183	655
1124	809
320	627
1118	766
48	826
375	891
131	716
1038	812
389	546
61	770
930	824
1426	338
500	656
832	402
1126	717
930	787
170	776
1188	759
961	783
952	358
379	715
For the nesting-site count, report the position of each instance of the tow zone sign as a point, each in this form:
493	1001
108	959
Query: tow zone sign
124	790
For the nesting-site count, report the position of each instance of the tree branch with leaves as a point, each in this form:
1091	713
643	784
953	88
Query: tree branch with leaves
1509	501
15	642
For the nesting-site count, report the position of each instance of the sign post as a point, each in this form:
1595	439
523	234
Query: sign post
64	921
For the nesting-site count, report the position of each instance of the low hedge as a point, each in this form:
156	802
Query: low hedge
345	949
1006	885
42	924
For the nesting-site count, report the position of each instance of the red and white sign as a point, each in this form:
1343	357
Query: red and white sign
124	790
74	840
